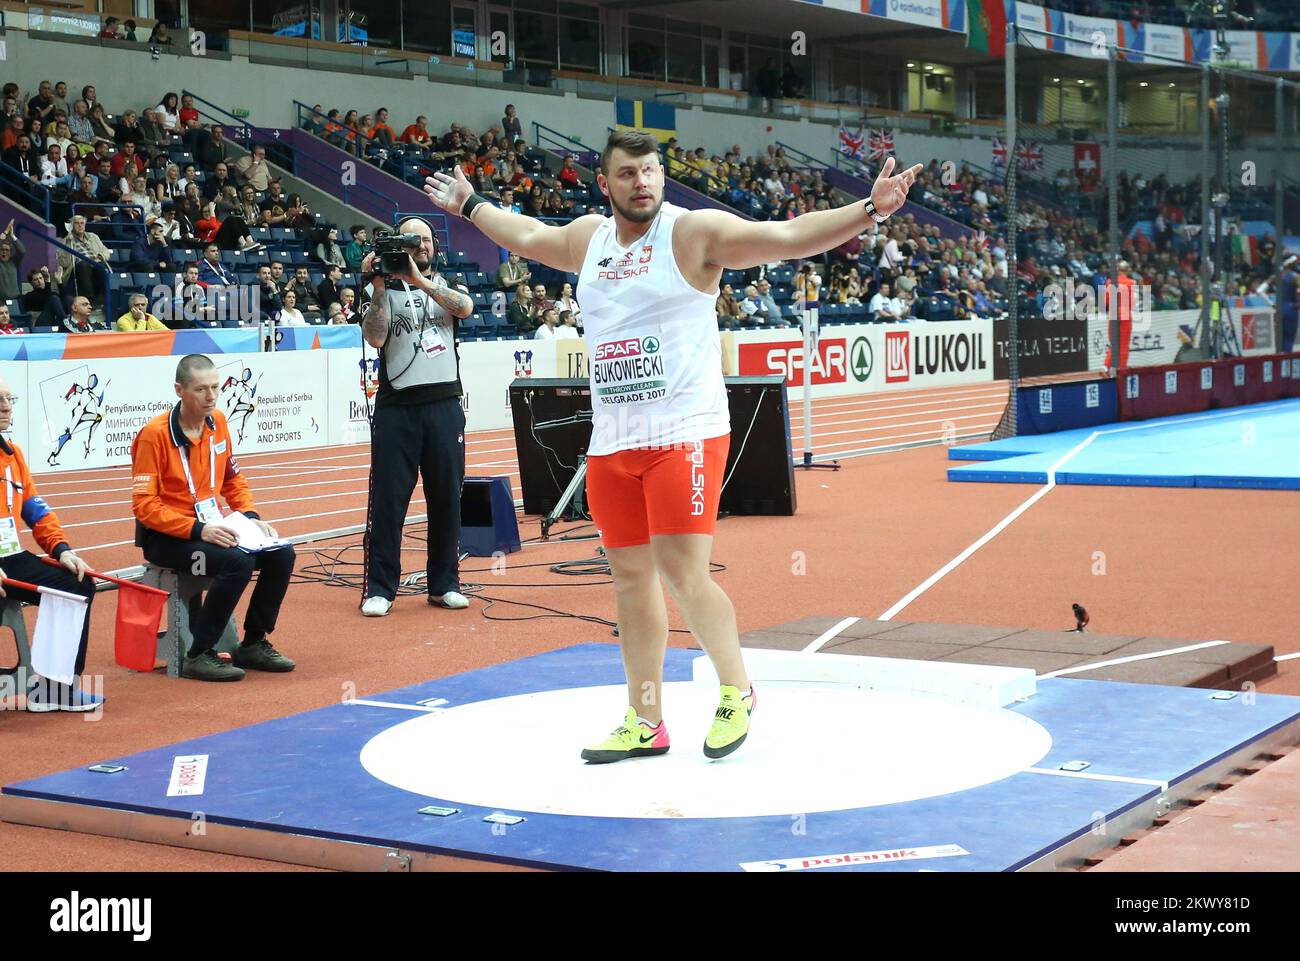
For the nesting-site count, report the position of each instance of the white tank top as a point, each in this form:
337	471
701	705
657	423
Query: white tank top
652	344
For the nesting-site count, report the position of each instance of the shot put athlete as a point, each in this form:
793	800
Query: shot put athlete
648	279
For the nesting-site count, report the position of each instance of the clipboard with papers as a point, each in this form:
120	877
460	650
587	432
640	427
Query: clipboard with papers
251	537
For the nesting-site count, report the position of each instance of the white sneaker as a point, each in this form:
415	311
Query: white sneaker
376	606
451	600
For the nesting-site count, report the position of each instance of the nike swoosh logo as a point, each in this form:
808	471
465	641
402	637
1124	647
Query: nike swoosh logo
646	740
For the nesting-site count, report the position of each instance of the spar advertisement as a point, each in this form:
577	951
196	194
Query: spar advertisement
860	359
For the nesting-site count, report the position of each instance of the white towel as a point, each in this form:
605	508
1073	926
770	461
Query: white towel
59	620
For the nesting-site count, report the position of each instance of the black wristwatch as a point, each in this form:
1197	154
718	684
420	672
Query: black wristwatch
871	209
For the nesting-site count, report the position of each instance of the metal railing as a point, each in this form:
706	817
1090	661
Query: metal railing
350	141
113	208
549	138
246	129
32	195
330	180
99	265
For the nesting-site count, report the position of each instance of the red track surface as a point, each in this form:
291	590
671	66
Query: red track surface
1183	563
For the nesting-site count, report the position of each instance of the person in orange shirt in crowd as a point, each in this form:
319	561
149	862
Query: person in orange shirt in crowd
380	132
181	461
26	506
418	133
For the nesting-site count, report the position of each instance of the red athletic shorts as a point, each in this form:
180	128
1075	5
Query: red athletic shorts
657	490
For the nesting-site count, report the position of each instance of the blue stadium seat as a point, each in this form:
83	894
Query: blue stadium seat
147	280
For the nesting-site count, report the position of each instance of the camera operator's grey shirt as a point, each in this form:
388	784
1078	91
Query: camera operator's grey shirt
418	362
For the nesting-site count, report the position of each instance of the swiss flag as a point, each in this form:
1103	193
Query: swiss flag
1087	162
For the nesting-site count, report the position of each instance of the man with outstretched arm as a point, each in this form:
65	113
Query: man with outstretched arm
648	276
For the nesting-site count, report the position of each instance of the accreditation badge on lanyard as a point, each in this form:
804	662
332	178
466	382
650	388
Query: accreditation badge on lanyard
207	510
8	526
431	342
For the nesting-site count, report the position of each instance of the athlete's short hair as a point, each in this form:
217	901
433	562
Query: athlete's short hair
190	365
637	143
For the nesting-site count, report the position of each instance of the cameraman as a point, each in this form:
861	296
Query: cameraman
419	426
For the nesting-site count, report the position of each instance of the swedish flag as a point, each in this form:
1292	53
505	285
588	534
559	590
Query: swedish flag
658	119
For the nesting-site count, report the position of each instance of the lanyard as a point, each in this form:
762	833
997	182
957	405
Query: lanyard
9	488
212	466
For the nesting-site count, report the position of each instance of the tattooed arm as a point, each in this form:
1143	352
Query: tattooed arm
455	302
374	324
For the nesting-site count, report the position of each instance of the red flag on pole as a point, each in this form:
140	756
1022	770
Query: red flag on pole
135	636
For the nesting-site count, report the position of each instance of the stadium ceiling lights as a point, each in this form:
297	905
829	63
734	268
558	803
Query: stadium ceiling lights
911	64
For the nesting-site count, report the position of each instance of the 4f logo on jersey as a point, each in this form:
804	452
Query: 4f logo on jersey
605	261
622	268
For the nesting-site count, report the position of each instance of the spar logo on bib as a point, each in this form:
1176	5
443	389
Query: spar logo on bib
629	371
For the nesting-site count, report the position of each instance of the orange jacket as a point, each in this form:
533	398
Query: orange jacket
160	494
25	505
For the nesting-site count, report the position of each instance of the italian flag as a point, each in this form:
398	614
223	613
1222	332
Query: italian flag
1246	248
988	27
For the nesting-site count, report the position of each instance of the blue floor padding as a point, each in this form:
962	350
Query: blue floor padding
1242	447
301	775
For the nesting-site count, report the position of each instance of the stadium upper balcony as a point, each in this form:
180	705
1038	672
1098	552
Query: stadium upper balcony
1239	15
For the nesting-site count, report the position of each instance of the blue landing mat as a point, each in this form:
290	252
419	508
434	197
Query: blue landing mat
302	775
1245	447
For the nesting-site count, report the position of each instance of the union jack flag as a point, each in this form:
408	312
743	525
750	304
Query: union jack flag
999	152
879	143
851	143
1028	152
1031	155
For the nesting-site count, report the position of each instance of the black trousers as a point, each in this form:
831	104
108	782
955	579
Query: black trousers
230	569
26	566
428	439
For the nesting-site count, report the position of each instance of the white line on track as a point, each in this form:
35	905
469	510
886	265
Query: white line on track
1038	495
904	420
401	707
1081	668
832	632
1286	657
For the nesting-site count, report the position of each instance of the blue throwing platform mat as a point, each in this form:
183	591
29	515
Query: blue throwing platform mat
1254	447
485	765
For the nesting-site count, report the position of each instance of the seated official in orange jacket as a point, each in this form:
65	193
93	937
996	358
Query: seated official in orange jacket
180	462
27	506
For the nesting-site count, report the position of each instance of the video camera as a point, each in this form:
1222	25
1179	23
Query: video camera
393	249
